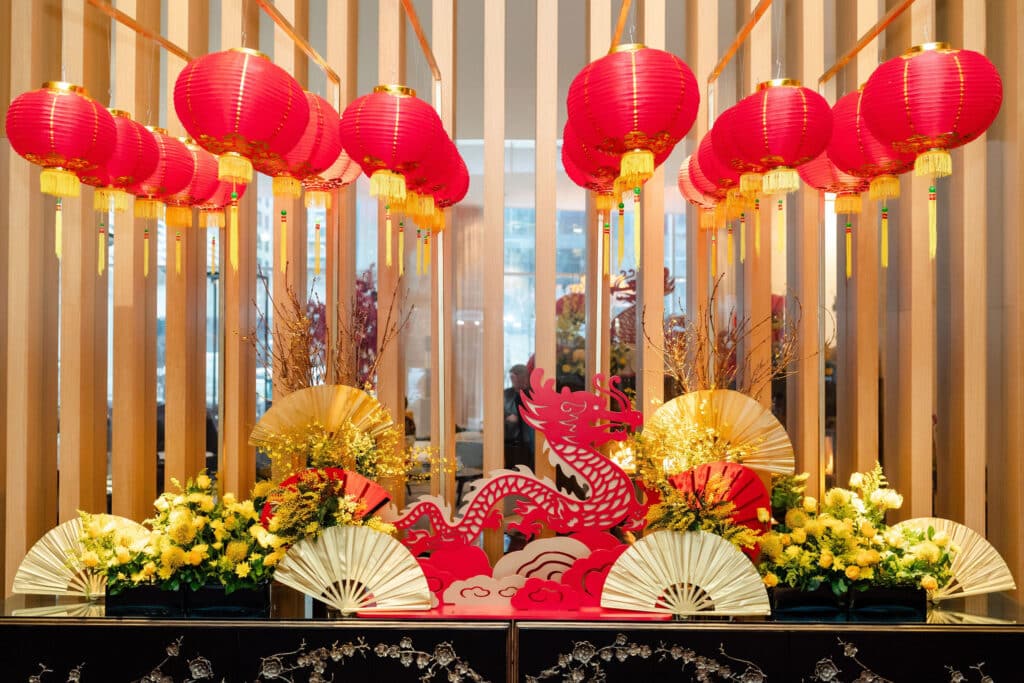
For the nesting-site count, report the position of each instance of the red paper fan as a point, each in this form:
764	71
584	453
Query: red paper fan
372	495
745	489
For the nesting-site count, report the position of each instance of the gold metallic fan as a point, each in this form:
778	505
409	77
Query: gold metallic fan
356	569
977	568
711	426
685	573
941	616
53	566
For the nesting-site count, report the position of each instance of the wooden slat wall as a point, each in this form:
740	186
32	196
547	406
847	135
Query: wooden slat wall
6	157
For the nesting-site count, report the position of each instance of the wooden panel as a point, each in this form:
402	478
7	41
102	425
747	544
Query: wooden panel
237	460
651	284
133	455
32	279
6	157
493	259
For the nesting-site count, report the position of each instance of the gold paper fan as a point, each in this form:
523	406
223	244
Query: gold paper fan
710	426
331	405
354	568
977	569
941	616
52	565
75	609
685	573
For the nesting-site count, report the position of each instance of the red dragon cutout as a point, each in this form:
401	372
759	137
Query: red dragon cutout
574	424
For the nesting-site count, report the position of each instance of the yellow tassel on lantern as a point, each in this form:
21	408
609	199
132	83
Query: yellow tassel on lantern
781	179
59	183
621	234
606	244
848	203
286	186
751	183
387	233
318	198
933	238
885	237
148	208
388	186
743	238
401	248
707	219
58	229
213	256
101	256
757	228
232	167
284	241
177	253
106	198
935	162
884	187
426	252
604	201
729	251
179	216
714	253
145	253
849	250
637	226
316	249
636	167
233	231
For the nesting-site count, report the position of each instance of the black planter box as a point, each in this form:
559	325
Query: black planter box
889	604
793	604
145	601
211	602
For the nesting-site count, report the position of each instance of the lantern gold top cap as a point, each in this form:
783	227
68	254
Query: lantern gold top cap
629	47
925	47
251	52
778	83
394	89
121	114
157	129
64	86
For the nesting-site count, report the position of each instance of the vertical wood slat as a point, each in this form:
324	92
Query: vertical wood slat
7	156
85	50
185	394
913	474
133	454
651	280
32	280
494	264
390	370
546	163
237	460
442	405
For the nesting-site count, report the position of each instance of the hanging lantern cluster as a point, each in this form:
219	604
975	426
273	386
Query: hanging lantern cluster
627	111
314	152
133	158
823	175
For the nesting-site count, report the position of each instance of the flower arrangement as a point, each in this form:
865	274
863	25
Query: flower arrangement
844	542
705	510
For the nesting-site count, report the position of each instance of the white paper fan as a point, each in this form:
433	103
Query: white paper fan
354	568
977	569
685	573
736	419
941	616
77	609
52	565
331	405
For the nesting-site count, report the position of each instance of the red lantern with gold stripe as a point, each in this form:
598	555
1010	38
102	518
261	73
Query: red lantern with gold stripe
173	173
211	210
134	158
601	167
341	173
240	105
635	103
200	188
314	152
931	99
703	202
780	127
724	144
823	175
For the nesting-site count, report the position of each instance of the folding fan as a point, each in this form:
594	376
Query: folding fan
332	405
371	494
977	569
52	565
75	609
941	616
356	569
736	418
685	573
744	489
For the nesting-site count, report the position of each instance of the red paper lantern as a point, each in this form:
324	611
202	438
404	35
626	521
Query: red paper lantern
931	99
823	175
343	172
201	187
635	103
240	105
854	149
689	190
720	175
62	129
389	133
602	168
315	151
134	158
724	144
457	187
173	173
211	210
780	127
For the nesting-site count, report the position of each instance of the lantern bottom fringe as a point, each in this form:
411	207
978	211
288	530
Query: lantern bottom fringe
286	186
735	204
707	219
884	187
388	186
318	198
848	203
603	201
720	215
148	208
935	162
751	183
212	218
59	183
234	168
418	205
779	180
105	196
635	168
179	216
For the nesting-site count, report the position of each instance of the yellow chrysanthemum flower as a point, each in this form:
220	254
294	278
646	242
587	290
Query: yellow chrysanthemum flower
814	527
795	518
262	488
771	580
927	551
203	481
798	536
826	559
810	504
90	559
929	583
242	570
122	555
172	557
236	551
853	572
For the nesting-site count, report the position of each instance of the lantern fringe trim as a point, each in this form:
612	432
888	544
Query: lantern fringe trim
388	185
234	168
780	180
148	208
848	203
751	183
212	218
286	186
179	216
59	183
935	162
884	187
636	167
604	202
102	198
318	198
707	219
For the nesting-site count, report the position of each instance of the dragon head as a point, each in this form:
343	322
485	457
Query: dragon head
579	417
